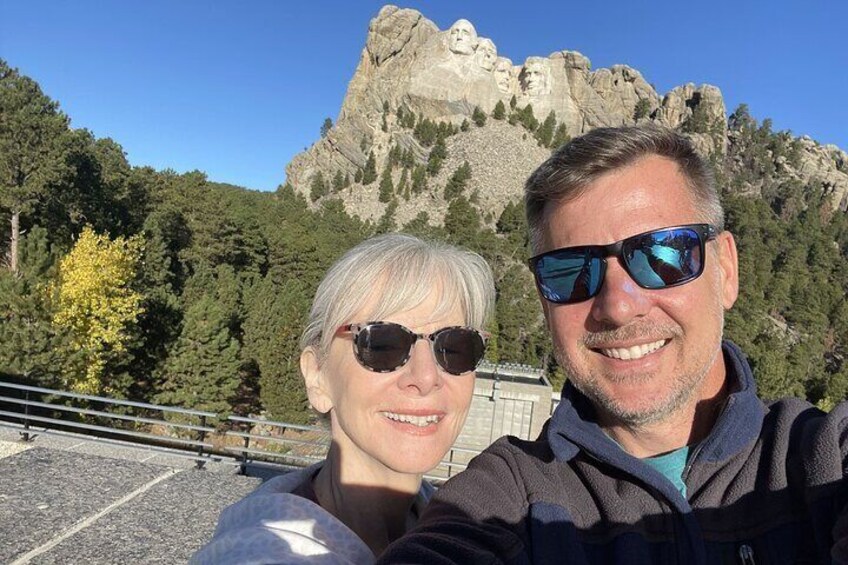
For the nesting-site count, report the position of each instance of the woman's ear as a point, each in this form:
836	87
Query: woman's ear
316	385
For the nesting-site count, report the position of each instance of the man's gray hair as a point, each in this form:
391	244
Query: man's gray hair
397	272
567	173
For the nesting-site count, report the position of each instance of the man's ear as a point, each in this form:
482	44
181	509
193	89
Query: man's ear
728	261
313	377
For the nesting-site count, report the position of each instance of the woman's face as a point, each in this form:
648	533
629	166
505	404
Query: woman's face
404	420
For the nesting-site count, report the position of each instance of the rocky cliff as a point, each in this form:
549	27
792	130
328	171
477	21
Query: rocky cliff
411	72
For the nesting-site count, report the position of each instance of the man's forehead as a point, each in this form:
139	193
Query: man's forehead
646	195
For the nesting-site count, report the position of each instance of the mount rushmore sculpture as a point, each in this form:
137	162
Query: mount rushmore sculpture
443	76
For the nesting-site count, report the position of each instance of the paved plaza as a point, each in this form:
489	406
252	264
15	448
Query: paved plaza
66	500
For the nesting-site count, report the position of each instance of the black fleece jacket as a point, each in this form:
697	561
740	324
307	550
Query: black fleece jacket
766	486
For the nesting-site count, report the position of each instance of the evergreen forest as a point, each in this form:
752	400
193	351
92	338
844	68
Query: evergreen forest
150	285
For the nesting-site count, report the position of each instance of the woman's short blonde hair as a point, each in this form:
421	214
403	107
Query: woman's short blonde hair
404	270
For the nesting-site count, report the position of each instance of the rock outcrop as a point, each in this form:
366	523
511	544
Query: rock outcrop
443	76
826	164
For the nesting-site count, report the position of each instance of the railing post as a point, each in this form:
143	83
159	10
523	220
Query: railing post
25	434
201	438
243	466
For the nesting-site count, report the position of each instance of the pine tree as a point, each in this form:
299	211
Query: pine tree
419	179
405	117
517	315
419	226
387	187
357	176
408	159
387	221
369	173
544	135
464	126
32	134
527	119
202	371
438	154
561	137
31	347
160	280
318	187
499	113
462	222
276	315
395	155
326	127
478	117
642	109
456	183
512	102
512	224
338	181
426	132
403	184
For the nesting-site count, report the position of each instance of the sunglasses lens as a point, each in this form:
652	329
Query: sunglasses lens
458	350
664	258
383	347
570	275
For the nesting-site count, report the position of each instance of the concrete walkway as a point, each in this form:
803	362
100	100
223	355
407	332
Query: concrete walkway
64	500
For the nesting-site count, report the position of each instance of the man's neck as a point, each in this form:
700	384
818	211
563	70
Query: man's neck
686	426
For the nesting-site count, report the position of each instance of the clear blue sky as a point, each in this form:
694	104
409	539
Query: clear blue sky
236	89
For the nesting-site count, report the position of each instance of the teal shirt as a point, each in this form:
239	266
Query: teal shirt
671	466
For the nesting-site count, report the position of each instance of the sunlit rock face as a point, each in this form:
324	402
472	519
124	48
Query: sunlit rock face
409	63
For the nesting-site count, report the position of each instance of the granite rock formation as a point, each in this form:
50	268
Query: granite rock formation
408	63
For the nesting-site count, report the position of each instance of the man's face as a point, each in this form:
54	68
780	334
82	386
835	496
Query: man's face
503	74
534	78
486	54
672	336
463	37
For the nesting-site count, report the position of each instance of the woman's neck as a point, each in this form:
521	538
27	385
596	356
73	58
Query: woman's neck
375	505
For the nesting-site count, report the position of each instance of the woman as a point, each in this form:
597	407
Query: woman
394	336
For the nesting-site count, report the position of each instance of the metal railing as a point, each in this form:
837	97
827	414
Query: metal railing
307	445
248	440
300	445
183	432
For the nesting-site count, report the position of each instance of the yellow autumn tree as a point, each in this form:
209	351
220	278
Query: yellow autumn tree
95	300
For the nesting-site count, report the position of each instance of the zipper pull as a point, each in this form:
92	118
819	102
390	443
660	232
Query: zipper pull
746	555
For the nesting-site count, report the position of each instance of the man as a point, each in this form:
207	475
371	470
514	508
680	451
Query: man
660	450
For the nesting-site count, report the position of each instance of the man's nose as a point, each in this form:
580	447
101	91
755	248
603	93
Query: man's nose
620	299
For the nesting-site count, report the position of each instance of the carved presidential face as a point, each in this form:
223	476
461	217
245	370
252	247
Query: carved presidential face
463	37
535	77
503	74
486	54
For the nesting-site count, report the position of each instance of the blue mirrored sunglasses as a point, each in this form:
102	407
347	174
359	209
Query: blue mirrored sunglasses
656	259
